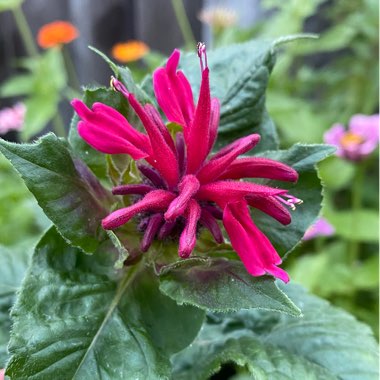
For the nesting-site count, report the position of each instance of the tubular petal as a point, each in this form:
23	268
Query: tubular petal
270	206
212	225
216	212
253	247
155	116
166	229
218	164
188	239
181	152
173	92
163	157
109	132
107	142
166	97
136	137
223	192
153	226
172	63
152	175
258	167
187	188
157	200
186	97
214	122
198	135
139	189
81	109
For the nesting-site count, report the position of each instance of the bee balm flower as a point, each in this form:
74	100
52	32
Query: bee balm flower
186	188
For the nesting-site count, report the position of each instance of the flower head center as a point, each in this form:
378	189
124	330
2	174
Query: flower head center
350	139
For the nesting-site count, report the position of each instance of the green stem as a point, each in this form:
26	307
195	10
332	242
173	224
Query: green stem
356	204
183	23
25	32
59	126
319	244
71	72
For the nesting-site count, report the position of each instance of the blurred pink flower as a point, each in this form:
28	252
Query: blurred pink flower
360	140
12	118
320	228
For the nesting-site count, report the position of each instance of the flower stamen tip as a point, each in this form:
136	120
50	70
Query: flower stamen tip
201	51
116	85
290	200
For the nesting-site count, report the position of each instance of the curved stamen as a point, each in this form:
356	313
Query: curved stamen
201	51
118	86
166	229
209	221
290	200
153	226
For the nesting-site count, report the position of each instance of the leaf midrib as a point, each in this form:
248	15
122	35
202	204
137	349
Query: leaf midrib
124	283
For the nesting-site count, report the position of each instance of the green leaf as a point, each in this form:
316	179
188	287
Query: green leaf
295	118
17	85
327	343
90	322
39	111
336	173
302	158
51	73
331	272
65	189
13	263
358	225
222	285
20	216
262	361
366	274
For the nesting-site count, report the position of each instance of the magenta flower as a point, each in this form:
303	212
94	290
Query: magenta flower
12	118
320	228
184	189
360	140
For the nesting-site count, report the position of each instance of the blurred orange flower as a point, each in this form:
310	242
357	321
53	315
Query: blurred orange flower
56	33
129	51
